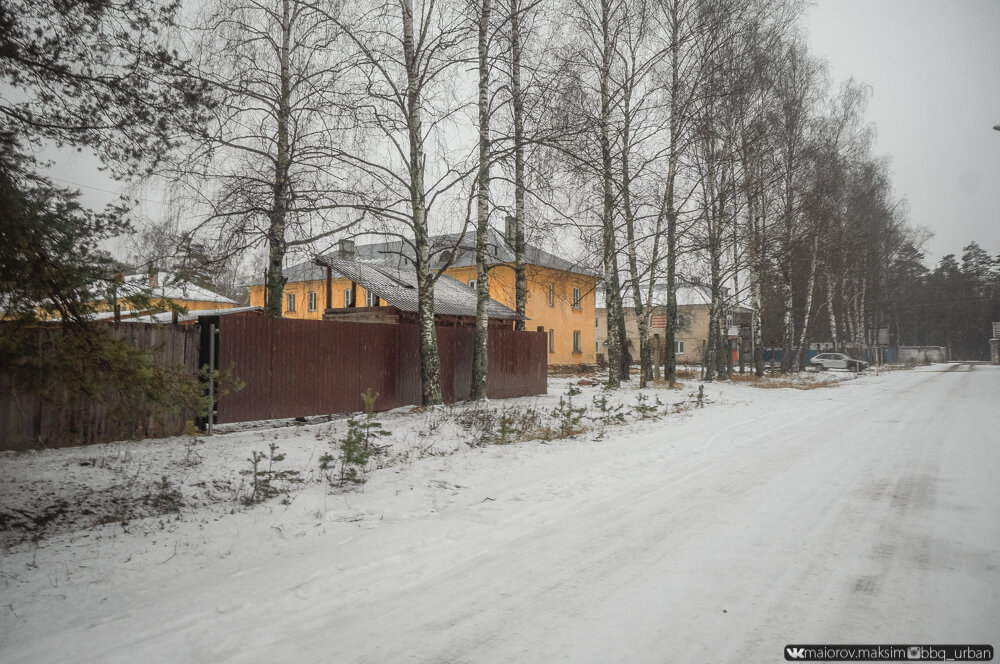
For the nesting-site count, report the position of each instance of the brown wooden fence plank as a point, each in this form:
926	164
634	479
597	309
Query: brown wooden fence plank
28	421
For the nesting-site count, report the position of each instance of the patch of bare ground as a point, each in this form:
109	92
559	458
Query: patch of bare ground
665	384
781	382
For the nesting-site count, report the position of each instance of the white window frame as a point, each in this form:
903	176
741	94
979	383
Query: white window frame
577	342
348	294
678	348
577	299
312	300
290	302
552	295
371	299
552	341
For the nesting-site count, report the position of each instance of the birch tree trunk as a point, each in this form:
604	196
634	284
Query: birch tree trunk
430	364
830	310
642	314
670	205
756	334
714	206
755	263
612	287
788	302
277	245
810	289
517	110
481	352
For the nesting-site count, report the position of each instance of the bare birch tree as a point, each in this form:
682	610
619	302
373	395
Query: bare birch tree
480	363
692	31
405	58
797	93
266	170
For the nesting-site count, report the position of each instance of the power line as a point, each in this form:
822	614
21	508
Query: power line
106	191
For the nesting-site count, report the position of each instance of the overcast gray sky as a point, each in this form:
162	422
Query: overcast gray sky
934	69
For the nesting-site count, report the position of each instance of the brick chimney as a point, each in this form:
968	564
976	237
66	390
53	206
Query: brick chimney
345	249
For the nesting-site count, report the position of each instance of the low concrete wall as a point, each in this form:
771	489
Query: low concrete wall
921	354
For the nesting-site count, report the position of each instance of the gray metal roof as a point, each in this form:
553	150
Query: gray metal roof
461	250
307	271
397	286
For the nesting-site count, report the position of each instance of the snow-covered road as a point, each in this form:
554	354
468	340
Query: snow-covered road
866	513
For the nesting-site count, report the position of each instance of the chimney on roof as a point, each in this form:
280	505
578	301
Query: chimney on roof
510	229
345	249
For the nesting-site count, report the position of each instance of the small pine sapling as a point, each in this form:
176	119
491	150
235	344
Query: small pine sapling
568	416
268	482
358	447
573	391
498	427
515	425
608	414
505	427
353	459
646	410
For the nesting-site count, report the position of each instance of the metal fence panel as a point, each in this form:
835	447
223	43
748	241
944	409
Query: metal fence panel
298	368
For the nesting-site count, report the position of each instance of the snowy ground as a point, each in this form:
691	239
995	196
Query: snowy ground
865	512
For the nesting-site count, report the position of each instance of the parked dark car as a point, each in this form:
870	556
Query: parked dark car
825	361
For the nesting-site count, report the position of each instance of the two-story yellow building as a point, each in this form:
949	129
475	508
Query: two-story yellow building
560	296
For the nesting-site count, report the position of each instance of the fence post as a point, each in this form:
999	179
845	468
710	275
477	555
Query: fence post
211	377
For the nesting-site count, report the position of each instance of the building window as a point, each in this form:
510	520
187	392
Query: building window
291	302
371	299
576	342
472	284
678	348
552	341
576	298
552	295
312	300
348	297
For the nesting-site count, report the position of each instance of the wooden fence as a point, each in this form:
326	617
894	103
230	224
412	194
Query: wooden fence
63	418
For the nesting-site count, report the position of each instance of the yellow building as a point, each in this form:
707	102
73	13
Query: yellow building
560	297
168	291
165	292
691	332
305	292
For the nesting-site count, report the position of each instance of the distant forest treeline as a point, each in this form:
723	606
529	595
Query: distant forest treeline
953	305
